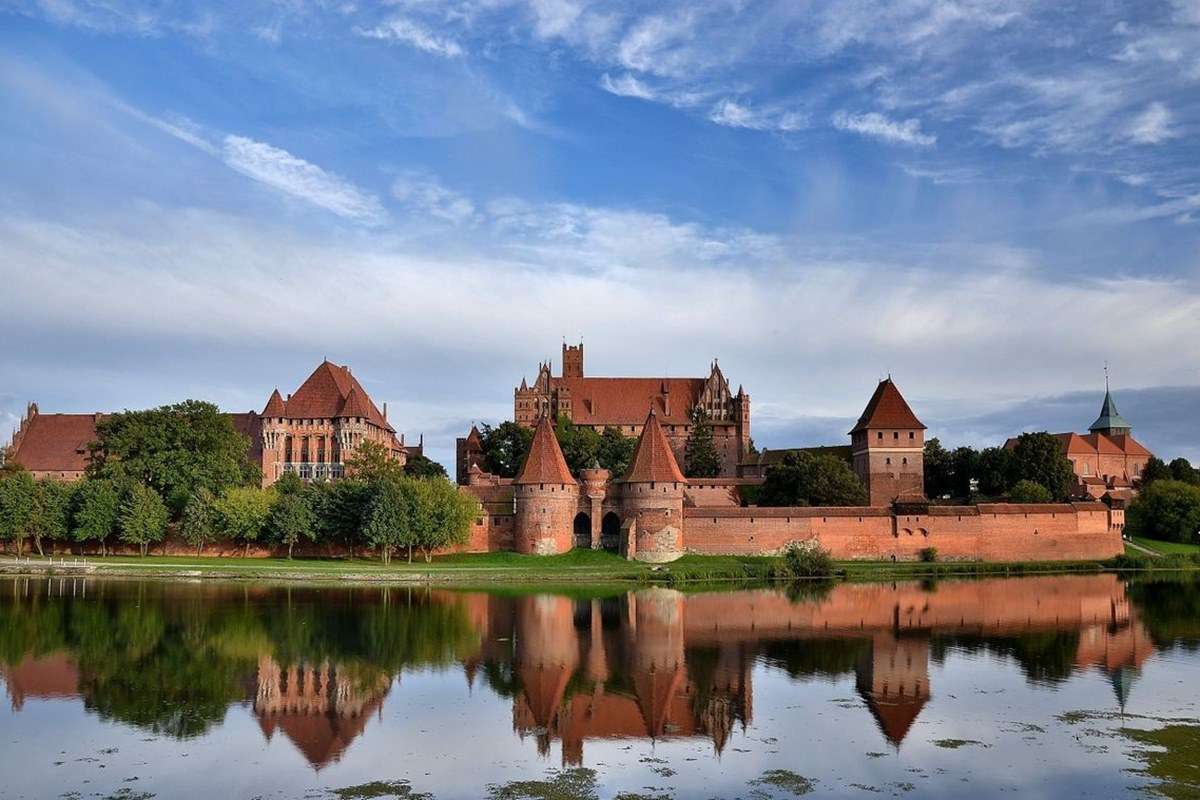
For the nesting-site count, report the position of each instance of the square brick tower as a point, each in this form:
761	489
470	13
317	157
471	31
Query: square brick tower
887	447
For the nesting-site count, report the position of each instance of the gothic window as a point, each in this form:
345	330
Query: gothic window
895	434
881	435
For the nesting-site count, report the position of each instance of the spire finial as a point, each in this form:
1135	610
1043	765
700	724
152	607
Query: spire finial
1106	376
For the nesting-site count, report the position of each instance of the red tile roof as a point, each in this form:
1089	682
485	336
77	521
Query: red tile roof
887	409
1130	446
624	401
275	407
653	459
325	395
545	462
56	442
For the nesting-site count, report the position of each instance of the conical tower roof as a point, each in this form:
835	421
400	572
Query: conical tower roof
887	408
1110	419
653	459
545	462
275	406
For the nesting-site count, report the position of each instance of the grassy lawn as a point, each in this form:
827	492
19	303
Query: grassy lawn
1167	548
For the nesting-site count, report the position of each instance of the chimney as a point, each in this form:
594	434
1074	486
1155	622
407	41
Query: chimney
385	410
666	398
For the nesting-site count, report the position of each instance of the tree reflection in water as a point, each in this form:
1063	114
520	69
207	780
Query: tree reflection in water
318	664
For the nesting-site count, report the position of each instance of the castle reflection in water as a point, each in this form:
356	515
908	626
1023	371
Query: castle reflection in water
654	663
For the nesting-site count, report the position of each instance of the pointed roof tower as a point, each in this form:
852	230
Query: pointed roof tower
275	406
545	462
887	409
1110	421
653	459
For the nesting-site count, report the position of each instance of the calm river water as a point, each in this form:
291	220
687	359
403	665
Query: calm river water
1078	686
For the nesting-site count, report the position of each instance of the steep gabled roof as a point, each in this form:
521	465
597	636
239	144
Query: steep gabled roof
653	459
324	394
887	409
354	406
275	406
545	462
1130	445
56	442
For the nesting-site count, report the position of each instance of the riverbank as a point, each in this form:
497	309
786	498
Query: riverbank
576	567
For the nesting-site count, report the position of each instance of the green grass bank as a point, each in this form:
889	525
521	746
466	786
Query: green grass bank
576	567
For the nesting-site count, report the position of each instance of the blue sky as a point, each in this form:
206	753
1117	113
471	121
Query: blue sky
988	200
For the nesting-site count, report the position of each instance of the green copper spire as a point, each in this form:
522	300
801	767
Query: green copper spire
1110	420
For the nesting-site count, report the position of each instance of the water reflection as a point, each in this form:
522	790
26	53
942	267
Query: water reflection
317	666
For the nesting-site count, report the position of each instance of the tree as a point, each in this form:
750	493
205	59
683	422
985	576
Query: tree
372	462
288	483
52	511
1156	470
173	449
292	520
419	465
443	515
505	447
580	444
803	479
1167	510
1182	470
939	472
96	512
997	468
243	513
18	498
340	510
198	524
1027	491
1040	458
964	468
144	517
389	520
615	451
700	456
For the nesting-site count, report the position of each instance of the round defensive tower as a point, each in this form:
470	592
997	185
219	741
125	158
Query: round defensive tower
546	495
652	498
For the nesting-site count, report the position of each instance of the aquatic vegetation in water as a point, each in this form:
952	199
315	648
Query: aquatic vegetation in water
1172	758
954	744
785	779
380	789
570	784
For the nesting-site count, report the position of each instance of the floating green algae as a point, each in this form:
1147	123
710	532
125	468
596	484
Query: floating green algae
1172	758
570	784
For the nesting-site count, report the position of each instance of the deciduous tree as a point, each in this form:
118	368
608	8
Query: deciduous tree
443	515
390	518
96	512
505	447
144	517
419	465
1039	457
18	498
198	524
1168	510
292	520
372	462
52	511
1027	491
243	513
803	479
700	457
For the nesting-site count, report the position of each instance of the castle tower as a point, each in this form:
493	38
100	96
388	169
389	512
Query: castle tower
887	447
652	498
274	437
1110	422
546	496
572	360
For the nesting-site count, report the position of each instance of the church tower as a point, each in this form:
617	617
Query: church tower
1110	422
887	447
572	360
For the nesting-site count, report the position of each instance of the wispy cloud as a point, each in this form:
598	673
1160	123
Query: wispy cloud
878	126
733	114
298	178
424	194
627	85
402	29
1153	125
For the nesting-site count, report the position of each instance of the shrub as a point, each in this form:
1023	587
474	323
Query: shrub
928	554
1026	491
806	560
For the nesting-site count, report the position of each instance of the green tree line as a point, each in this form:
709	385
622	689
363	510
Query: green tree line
184	468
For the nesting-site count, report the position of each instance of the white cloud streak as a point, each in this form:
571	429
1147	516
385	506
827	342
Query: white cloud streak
406	31
298	178
876	125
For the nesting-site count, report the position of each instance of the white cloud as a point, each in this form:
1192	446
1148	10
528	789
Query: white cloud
626	85
402	29
877	125
1153	125
298	178
737	115
424	194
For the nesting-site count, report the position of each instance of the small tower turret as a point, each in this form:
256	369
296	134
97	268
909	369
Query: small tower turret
652	498
546	495
887	447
